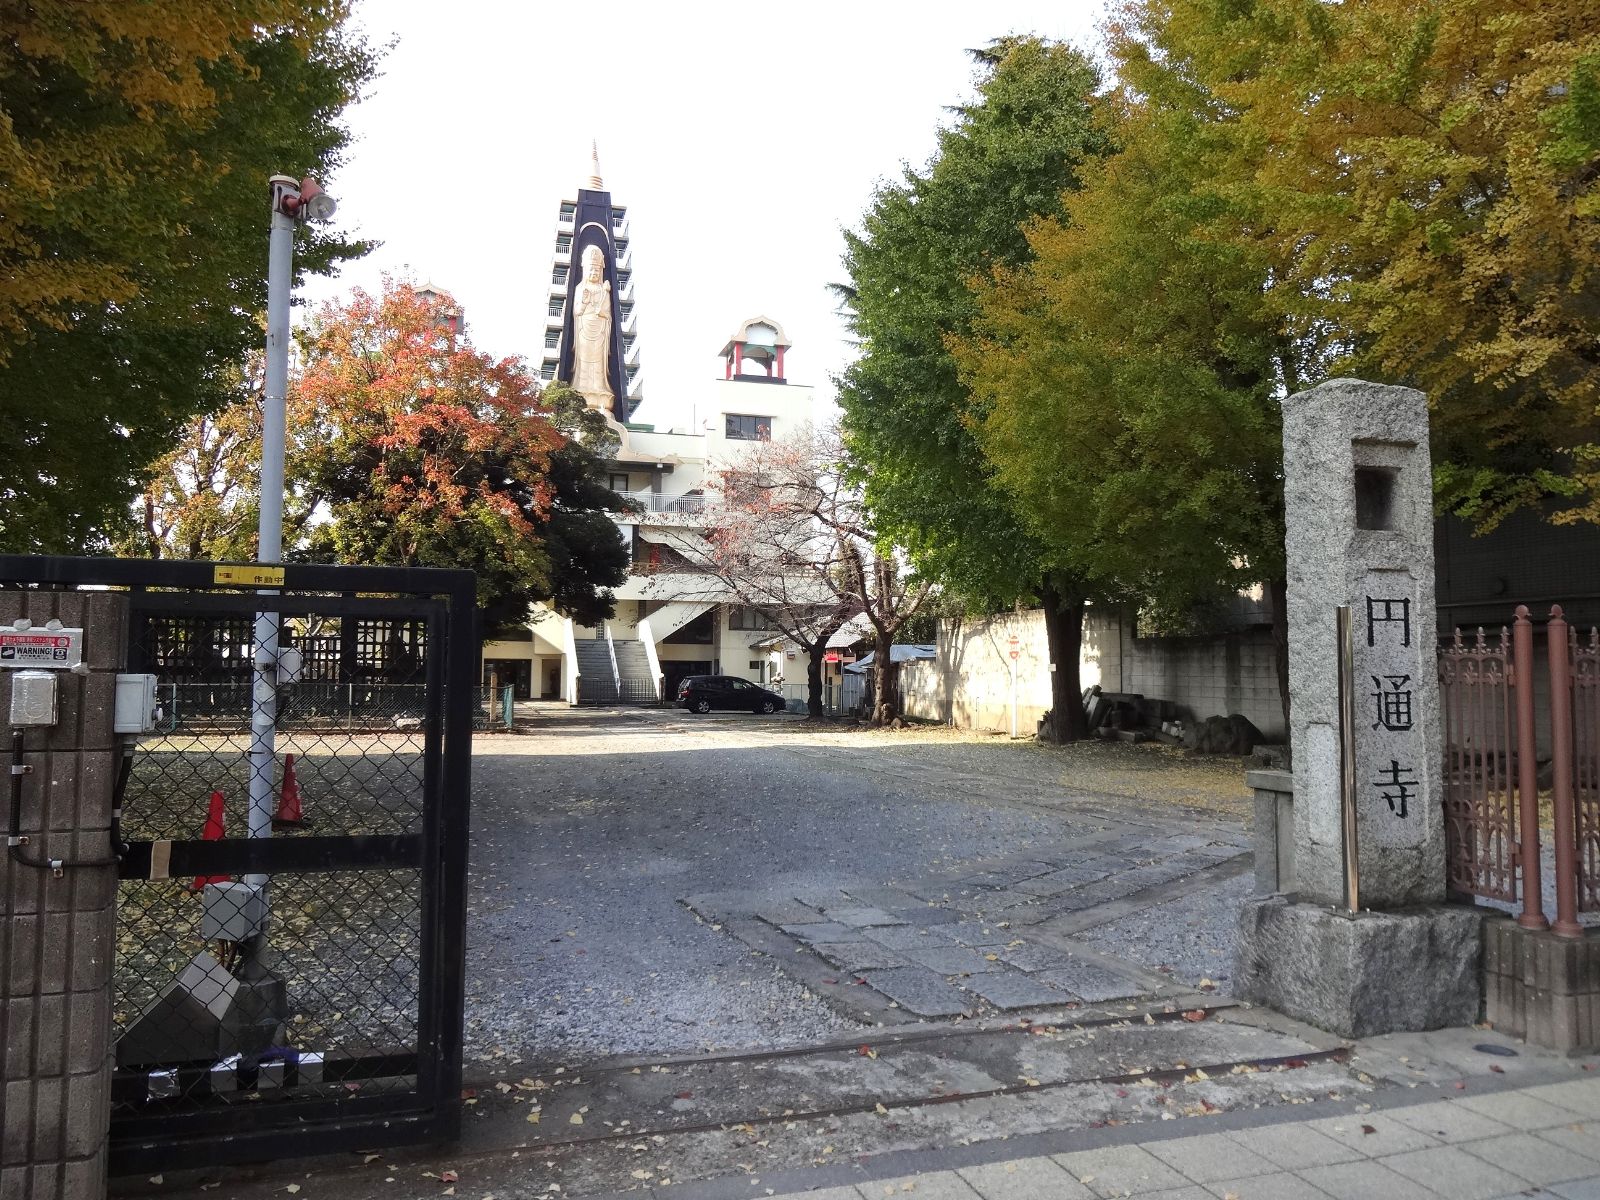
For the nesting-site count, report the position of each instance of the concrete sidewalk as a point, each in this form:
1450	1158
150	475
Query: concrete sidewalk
1535	1141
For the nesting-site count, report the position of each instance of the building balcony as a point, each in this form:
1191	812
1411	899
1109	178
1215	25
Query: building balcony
661	504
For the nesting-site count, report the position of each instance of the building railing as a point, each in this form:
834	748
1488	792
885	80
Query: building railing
660	502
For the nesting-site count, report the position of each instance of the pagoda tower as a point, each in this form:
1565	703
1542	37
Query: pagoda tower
589	338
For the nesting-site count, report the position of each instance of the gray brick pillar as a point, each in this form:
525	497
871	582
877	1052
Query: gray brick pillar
57	935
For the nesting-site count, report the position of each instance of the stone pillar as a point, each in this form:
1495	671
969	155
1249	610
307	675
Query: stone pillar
1358	498
1358	508
57	933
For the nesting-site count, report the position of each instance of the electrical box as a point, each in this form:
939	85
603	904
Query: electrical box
136	710
33	698
231	912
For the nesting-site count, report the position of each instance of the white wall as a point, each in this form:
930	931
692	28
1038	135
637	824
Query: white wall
969	684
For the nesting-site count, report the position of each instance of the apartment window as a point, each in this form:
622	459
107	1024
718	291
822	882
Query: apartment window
744	428
622	247
618	216
748	618
624	278
626	308
558	305
619	481
569	211
559	275
547	372
563	243
552	339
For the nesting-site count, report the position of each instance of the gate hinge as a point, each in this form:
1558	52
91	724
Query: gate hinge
22	768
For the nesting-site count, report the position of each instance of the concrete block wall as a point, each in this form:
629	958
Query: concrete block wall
1542	988
57	934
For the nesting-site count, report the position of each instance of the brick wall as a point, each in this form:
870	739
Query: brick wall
57	934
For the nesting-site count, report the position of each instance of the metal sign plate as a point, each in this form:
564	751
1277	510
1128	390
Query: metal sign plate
249	574
50	649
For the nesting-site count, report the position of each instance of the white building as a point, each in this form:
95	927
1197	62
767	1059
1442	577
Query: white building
670	620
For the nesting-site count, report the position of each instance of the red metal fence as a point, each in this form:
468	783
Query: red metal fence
1492	804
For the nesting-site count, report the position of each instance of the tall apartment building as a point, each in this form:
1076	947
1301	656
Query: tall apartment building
670	621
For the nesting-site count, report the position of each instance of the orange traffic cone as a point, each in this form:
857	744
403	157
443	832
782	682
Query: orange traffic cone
214	832
288	815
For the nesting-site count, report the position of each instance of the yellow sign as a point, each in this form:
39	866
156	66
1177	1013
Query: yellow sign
248	575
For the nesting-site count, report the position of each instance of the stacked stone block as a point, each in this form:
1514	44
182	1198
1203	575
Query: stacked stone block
57	934
1542	987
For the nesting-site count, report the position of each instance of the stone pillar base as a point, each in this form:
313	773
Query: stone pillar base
1363	974
1543	988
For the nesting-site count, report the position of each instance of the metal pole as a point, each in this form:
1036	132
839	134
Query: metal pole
269	546
1013	699
1528	852
1559	648
1347	761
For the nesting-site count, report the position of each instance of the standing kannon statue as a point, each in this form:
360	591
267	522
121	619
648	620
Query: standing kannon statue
591	332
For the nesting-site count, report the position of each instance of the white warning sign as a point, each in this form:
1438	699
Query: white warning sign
60	649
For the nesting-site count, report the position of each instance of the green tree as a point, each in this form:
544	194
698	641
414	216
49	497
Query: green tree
1007	157
1128	372
422	451
1426	181
135	145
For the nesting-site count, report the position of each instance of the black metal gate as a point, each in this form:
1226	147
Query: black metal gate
298	993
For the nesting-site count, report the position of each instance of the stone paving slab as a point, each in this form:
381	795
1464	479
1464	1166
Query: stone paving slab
860	917
952	960
919	990
1012	990
859	956
909	937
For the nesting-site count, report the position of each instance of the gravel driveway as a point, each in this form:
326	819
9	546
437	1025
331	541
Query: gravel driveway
591	829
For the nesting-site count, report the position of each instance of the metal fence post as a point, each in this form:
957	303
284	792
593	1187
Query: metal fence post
1528	849
1559	649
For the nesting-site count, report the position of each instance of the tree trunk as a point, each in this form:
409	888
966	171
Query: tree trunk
1064	604
1278	589
814	654
885	695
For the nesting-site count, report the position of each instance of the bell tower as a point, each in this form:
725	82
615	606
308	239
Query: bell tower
758	343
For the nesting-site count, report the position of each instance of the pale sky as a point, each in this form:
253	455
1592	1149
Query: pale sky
740	139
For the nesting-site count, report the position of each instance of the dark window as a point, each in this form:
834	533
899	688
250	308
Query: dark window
568	211
748	618
563	243
619	482
558	274
552	339
557	306
747	428
701	631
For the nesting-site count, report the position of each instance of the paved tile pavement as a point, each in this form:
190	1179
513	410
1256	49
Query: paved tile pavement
1540	1141
979	939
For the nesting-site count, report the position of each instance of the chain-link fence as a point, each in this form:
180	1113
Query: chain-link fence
288	970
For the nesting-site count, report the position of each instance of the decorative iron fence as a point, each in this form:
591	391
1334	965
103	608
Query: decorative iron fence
1480	809
1494	804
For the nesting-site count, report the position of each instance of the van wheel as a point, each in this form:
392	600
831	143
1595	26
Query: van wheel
702	706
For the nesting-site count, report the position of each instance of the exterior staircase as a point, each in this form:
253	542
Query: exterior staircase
633	665
598	682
